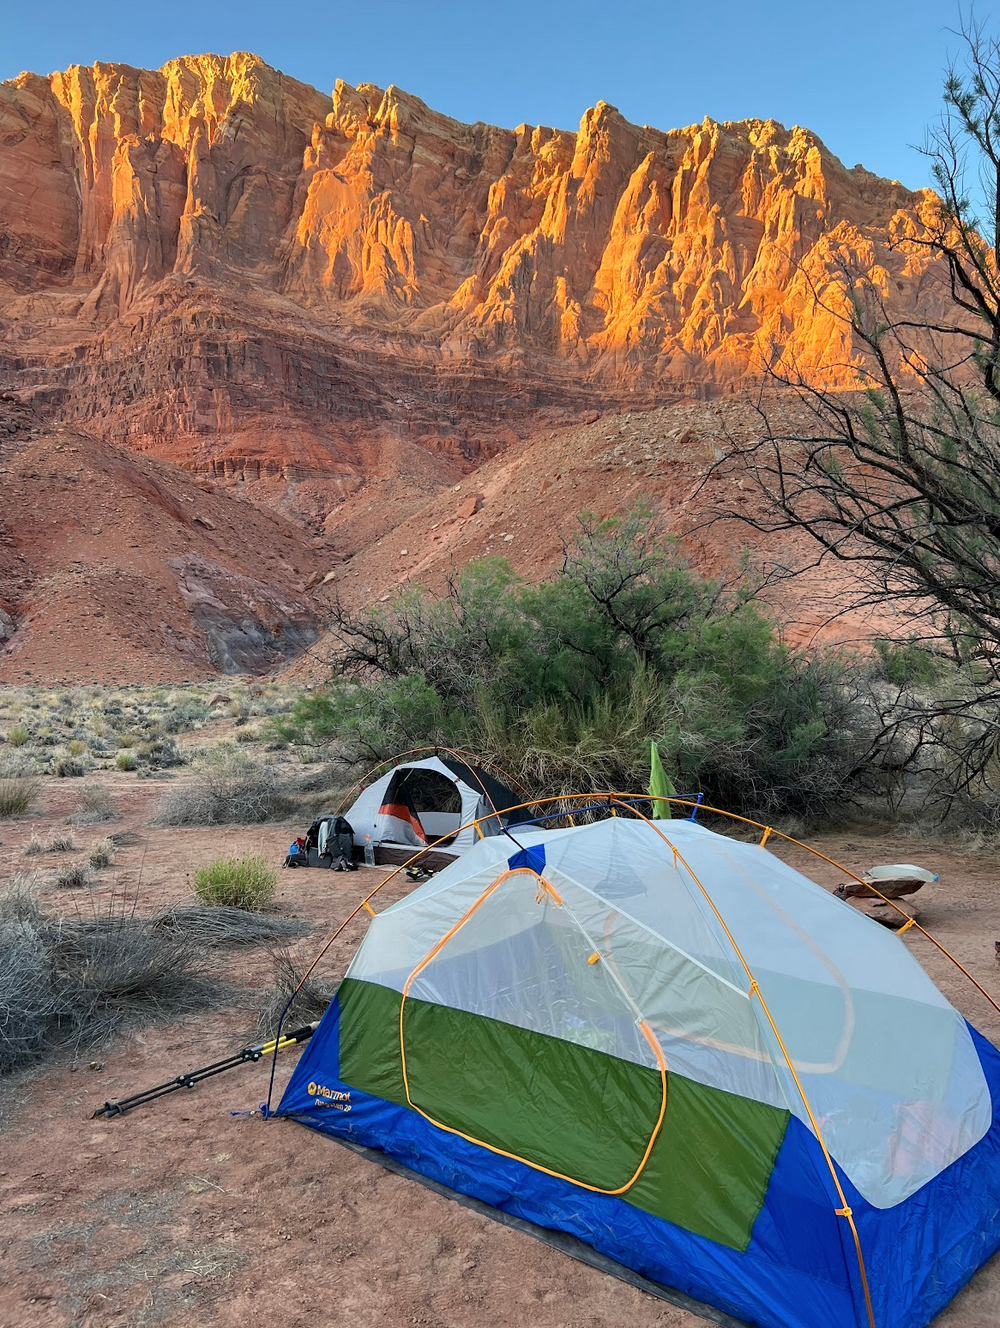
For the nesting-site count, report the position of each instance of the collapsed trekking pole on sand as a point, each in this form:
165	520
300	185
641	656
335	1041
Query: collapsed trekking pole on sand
244	1057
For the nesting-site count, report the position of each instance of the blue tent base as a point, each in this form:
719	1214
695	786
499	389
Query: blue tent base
558	1240
799	1270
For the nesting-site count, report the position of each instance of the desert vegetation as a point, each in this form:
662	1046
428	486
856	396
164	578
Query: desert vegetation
101	853
82	958
75	730
226	786
19	785
243	883
563	683
96	804
70	984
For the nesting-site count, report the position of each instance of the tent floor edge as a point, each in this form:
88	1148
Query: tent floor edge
562	1241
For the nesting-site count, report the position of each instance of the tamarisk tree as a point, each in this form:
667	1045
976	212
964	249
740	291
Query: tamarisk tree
901	477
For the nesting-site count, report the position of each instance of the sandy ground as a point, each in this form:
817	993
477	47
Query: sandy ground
184	1212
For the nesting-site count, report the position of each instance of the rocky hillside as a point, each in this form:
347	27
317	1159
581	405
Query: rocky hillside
338	306
191	252
118	568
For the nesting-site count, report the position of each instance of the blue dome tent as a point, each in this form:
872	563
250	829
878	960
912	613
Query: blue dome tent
673	1046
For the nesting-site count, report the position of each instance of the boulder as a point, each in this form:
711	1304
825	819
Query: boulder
894	915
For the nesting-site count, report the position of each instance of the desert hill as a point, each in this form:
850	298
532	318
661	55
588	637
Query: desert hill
338	308
121	568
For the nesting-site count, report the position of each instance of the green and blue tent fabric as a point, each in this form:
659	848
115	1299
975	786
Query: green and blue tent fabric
486	1037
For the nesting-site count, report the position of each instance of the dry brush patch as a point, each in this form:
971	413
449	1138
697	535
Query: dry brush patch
20	784
300	1000
217	925
228	787
96	805
67	984
74	982
74	877
101	853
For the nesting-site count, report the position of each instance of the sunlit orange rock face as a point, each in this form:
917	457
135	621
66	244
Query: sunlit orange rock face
223	266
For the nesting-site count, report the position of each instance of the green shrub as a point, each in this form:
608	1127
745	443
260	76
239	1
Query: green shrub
18	736
160	754
69	767
127	760
76	747
564	683
247	883
907	663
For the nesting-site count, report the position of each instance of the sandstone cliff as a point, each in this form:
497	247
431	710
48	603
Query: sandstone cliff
218	263
341	306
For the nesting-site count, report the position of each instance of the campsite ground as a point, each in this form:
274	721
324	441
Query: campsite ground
186	1212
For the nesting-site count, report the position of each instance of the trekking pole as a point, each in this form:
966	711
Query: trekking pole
247	1056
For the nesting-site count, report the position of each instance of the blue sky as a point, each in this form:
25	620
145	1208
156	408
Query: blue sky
865	76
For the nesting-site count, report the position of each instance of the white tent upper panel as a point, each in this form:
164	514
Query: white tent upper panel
679	915
369	816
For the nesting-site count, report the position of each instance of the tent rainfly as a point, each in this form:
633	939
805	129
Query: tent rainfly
419	802
685	1053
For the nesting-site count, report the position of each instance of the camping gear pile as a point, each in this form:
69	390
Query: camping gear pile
673	1046
329	842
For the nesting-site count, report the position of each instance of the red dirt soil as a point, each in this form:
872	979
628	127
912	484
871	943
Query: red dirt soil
117	568
184	1212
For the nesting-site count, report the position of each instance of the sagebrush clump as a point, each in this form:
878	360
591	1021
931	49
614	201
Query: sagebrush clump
247	883
74	877
59	843
228	787
69	984
96	805
101	854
